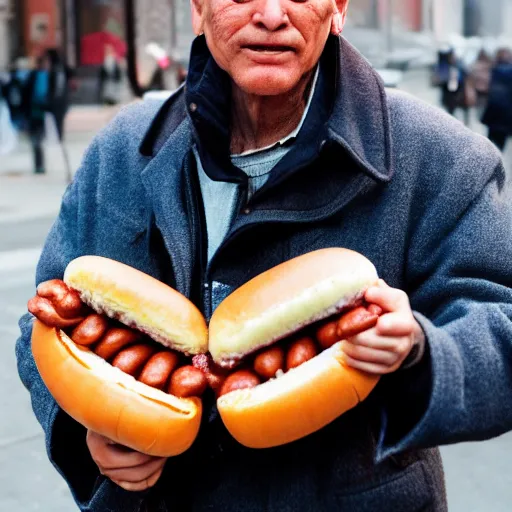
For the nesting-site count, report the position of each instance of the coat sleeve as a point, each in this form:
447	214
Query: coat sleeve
65	438
461	390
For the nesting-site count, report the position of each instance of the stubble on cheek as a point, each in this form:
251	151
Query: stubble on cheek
222	25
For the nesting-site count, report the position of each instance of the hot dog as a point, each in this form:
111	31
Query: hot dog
157	371
284	329
131	360
242	379
66	302
91	330
269	362
44	309
300	351
103	361
114	340
187	381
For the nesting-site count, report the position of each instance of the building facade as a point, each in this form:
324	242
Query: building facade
82	28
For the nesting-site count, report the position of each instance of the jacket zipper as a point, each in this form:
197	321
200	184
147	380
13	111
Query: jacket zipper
241	202
198	231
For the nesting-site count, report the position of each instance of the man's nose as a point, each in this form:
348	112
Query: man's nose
271	15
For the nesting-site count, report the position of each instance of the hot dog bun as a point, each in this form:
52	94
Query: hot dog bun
110	402
298	403
286	298
140	301
271	306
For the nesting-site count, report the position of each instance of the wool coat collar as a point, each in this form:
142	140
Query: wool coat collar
358	122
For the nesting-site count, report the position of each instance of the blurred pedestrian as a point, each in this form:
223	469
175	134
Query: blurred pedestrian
110	78
14	92
168	73
457	91
480	75
498	114
8	133
35	105
61	82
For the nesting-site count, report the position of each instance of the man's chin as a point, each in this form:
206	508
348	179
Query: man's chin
268	83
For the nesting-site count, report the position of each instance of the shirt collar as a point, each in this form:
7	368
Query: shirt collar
293	134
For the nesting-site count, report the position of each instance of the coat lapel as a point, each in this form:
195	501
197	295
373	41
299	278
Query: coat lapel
164	181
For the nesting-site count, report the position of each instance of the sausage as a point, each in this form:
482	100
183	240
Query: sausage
300	351
158	369
215	375
268	362
358	320
242	379
115	340
91	330
66	302
44	311
326	334
187	381
131	360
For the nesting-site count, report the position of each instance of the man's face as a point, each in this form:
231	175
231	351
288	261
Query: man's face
266	46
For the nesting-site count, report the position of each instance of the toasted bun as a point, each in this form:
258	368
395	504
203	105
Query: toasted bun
110	402
286	298
296	404
140	301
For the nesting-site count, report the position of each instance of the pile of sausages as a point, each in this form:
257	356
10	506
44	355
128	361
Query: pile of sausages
56	305
276	360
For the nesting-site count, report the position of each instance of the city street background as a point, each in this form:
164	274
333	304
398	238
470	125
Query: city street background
479	475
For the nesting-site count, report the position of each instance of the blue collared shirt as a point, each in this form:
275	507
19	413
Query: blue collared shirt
220	197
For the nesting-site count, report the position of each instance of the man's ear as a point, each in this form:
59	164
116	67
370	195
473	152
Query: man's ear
339	17
197	16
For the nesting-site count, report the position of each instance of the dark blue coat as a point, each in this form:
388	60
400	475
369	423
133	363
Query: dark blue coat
401	182
498	114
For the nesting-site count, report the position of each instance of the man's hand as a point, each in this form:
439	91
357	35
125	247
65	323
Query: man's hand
129	469
384	348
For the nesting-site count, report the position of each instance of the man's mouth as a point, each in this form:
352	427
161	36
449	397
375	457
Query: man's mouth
269	49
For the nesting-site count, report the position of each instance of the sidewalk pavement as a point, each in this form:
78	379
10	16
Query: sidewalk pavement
24	195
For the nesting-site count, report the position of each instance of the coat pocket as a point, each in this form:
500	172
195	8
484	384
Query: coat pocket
409	491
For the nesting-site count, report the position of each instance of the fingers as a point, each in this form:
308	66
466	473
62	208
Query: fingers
147	483
369	355
109	456
395	324
389	299
136	474
373	368
127	468
373	353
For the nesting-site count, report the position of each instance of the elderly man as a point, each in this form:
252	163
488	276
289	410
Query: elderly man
283	141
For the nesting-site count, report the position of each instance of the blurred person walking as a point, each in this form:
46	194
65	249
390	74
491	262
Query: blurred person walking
8	133
498	114
169	73
457	91
35	105
60	84
110	78
480	75
14	92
